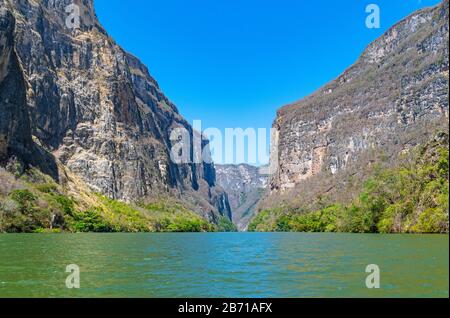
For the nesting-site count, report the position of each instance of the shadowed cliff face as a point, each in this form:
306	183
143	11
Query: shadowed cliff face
392	99
98	110
16	143
15	131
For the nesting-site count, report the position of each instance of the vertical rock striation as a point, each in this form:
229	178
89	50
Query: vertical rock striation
16	141
95	107
15	129
393	98
245	186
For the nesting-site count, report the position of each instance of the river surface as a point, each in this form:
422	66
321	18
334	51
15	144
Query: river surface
224	265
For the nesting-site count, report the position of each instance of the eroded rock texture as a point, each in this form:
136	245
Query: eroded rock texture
15	131
17	148
95	107
393	98
245	186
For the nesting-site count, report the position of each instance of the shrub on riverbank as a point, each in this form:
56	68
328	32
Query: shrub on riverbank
34	203
412	198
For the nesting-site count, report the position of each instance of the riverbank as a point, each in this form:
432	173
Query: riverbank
34	203
412	197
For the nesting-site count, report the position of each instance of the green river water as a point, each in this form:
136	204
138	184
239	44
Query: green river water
224	265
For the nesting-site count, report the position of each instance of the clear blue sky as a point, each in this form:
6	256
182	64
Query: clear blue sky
233	63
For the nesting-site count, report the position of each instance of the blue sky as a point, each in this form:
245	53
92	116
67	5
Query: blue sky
233	63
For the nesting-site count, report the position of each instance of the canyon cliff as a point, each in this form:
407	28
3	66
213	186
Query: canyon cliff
74	103
394	98
245	186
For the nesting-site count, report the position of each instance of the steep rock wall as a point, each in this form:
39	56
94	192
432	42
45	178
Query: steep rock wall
393	98
96	108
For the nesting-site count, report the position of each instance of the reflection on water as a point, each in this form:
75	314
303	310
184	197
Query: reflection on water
223	265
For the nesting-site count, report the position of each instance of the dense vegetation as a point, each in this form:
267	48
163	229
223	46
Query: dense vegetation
33	202
411	198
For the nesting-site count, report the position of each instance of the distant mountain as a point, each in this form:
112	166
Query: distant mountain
244	185
394	98
75	103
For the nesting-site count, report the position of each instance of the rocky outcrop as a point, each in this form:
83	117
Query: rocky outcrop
96	108
15	129
17	147
245	186
392	99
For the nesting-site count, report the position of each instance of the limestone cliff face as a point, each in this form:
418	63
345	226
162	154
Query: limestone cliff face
393	98
245	186
15	129
16	141
96	108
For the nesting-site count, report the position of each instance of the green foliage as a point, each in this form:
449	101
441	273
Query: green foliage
90	221
123	217
265	221
225	225
158	216
283	223
22	213
47	188
187	225
309	222
47	231
66	204
24	198
413	198
40	206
